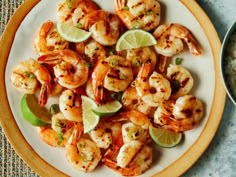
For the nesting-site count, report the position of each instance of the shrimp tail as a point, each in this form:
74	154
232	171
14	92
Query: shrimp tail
99	93
162	63
51	58
41	37
141	81
129	171
43	95
76	135
192	45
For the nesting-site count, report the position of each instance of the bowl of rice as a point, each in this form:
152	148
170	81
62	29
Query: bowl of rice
228	62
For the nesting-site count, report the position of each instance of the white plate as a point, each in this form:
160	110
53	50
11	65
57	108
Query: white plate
204	69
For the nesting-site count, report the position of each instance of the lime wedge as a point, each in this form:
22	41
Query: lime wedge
90	119
135	38
71	33
107	109
165	138
32	112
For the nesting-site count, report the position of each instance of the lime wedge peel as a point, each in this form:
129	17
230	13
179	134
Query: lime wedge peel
135	38
107	109
165	138
90	119
91	112
32	112
72	33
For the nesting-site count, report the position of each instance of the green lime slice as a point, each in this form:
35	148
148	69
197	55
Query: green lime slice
32	112
165	138
90	119
135	38
107	109
72	33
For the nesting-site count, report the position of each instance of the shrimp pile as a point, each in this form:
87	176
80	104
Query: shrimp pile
153	91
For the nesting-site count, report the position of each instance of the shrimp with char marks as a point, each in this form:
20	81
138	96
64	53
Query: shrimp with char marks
144	14
180	79
82	153
60	131
132	160
70	106
114	73
153	89
130	132
170	39
101	136
92	50
106	27
183	115
70	69
134	116
47	39
74	12
26	77
131	100
140	56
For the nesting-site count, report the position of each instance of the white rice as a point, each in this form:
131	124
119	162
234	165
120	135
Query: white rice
230	64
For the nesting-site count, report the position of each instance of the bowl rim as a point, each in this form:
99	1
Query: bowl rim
178	167
225	42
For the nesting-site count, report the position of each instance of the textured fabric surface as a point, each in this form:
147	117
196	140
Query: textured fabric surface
11	165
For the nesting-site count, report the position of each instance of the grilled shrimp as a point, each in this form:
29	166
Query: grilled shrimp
105	27
92	50
47	39
82	153
69	106
131	100
26	76
101	135
144	14
114	73
132	160
140	56
70	69
154	89
59	133
130	132
183	115
171	37
134	116
180	79
73	12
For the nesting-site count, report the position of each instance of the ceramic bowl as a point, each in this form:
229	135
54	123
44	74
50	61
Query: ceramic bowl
228	62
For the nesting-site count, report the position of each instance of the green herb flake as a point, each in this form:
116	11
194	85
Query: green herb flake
178	61
69	3
126	8
113	62
54	109
88	64
29	74
79	25
111	52
136	25
136	62
150	12
117	96
86	158
123	76
59	135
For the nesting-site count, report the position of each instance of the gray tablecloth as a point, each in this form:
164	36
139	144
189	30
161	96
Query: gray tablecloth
11	165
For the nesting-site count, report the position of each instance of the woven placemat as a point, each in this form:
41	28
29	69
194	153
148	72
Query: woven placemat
11	165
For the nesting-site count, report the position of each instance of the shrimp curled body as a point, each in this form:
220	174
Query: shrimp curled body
171	37
70	69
